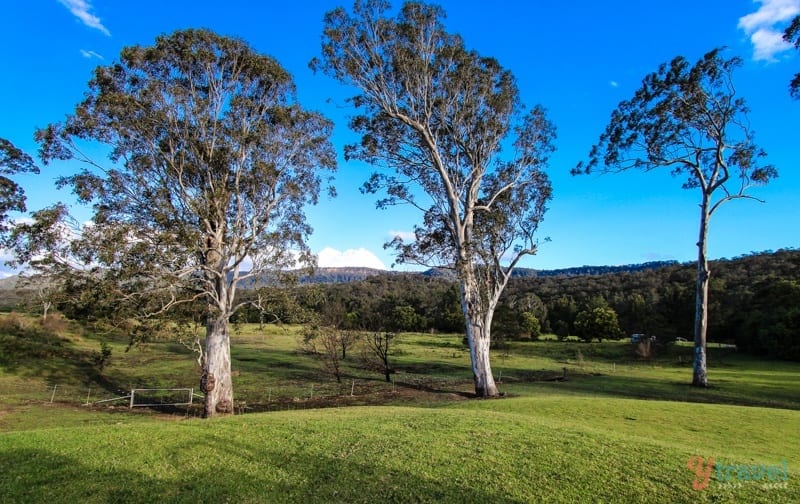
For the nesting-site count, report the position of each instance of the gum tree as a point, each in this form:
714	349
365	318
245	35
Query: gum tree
688	119
211	163
447	127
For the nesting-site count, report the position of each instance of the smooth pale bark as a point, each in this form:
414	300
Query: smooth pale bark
437	113
217	372
479	341
46	303
700	374
216	382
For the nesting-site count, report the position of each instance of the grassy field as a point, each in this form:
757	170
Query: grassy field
617	429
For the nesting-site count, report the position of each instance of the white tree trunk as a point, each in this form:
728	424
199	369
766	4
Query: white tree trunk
479	339
216	381
700	376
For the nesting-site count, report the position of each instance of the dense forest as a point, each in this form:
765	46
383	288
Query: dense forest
654	299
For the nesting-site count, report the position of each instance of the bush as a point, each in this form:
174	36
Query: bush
101	358
600	323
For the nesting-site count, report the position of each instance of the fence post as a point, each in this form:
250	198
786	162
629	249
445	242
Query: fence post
131	405
53	396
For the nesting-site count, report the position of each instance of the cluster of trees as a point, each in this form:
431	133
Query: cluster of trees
751	301
212	161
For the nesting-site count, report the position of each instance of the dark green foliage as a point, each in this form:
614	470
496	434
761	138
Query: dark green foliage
211	163
792	35
599	322
12	196
562	316
510	323
530	325
771	324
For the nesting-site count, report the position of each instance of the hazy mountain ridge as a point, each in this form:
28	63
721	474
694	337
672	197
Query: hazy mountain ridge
349	274
357	274
9	283
343	274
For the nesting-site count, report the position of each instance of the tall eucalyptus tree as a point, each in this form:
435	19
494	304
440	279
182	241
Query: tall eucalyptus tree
687	118
211	162
447	126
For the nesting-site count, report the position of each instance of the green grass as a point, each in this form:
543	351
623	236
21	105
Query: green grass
617	429
509	450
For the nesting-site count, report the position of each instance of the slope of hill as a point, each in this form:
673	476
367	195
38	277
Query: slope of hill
591	270
8	283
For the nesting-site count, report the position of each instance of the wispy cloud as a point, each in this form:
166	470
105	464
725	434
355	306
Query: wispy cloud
360	257
90	54
6	270
82	10
764	27
613	83
407	236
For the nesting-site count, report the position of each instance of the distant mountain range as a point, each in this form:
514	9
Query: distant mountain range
357	274
354	274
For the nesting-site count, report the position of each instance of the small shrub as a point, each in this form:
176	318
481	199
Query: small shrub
13	324
55	323
102	358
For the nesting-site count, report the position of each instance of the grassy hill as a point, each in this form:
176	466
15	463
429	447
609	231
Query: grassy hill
617	429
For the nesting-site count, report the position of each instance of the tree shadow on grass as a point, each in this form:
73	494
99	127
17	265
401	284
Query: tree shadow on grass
721	391
39	475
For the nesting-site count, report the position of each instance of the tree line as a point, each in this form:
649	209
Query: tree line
754	304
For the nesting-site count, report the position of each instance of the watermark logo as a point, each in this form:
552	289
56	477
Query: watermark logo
702	471
736	475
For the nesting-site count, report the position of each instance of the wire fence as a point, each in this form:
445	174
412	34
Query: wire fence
185	400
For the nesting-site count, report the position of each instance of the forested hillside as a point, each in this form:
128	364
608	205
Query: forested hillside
646	299
755	301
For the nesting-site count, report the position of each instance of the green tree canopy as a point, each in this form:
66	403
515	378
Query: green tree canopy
12	196
211	164
598	322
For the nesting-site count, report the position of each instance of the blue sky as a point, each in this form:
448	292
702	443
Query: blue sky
577	58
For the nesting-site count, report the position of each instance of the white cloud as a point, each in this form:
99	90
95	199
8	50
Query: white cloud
762	27
82	10
613	83
90	54
407	236
360	257
5	270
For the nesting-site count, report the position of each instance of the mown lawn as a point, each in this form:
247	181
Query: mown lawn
509	450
